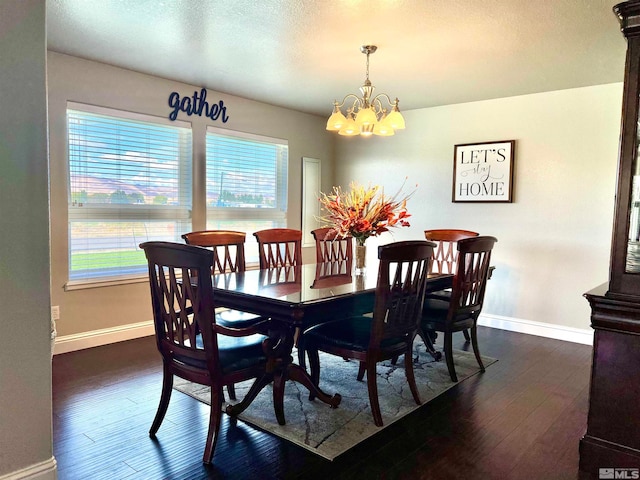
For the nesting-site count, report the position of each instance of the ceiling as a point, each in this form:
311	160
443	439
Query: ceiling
304	54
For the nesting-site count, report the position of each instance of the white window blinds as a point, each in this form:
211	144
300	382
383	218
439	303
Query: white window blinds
129	182
246	183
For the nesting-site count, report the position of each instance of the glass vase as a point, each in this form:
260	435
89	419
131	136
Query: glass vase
361	256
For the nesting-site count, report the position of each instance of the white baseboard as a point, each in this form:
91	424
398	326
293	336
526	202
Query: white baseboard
105	336
40	471
548	330
95	338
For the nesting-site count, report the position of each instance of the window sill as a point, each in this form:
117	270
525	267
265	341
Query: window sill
98	283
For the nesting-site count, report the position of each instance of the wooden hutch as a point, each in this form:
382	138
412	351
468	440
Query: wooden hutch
612	439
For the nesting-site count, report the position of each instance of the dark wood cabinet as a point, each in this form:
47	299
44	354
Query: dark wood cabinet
612	439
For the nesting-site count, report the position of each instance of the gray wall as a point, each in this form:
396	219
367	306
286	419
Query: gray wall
554	239
107	309
25	361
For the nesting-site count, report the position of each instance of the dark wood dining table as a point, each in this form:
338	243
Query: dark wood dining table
295	299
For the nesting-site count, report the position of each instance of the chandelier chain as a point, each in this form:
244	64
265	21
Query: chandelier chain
367	65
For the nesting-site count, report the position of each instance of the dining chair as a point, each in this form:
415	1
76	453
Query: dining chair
460	312
334	260
227	247
228	256
190	342
332	247
445	256
399	295
279	247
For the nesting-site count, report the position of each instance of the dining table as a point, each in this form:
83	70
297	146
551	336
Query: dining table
296	298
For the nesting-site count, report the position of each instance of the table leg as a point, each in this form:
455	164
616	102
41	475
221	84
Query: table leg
300	375
280	368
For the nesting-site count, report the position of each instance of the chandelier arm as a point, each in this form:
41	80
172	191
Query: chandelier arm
389	101
344	100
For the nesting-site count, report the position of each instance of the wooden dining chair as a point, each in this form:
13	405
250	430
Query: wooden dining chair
402	281
332	247
445	257
192	345
227	247
279	247
328	275
460	312
334	260
228	256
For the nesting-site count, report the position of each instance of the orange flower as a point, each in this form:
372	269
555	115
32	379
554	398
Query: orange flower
363	212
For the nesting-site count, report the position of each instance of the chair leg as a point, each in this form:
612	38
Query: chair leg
448	353
231	390
165	396
215	415
372	385
474	344
411	379
394	359
314	366
428	343
301	353
361	369
465	332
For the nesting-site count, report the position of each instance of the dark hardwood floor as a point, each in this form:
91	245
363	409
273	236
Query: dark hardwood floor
522	419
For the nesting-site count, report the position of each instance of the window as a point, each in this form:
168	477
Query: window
246	184
129	182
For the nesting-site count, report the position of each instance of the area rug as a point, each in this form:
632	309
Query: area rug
330	432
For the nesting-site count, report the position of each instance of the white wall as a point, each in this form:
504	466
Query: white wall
554	239
106	311
25	356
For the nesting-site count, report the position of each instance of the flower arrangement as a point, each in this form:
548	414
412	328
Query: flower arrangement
363	212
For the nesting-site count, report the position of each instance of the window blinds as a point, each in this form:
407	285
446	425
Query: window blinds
246	181
129	182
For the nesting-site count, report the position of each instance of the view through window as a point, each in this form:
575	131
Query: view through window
246	184
129	182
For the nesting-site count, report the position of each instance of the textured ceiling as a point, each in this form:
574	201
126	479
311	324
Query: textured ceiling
304	54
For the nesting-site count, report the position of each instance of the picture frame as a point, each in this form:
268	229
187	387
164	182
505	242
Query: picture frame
483	172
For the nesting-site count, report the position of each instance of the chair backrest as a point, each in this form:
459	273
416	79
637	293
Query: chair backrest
470	280
445	255
227	247
402	281
332	247
181	311
279	247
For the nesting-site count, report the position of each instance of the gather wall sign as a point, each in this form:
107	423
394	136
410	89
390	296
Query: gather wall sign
197	104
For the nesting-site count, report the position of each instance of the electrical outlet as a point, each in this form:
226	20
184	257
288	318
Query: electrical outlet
55	312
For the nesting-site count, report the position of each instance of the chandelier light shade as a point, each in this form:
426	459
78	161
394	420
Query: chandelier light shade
367	115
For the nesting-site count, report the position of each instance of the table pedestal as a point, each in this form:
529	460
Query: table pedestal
280	368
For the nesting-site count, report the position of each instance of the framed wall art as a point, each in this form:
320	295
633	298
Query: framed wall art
483	172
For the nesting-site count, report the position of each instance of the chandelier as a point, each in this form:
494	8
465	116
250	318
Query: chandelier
366	116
